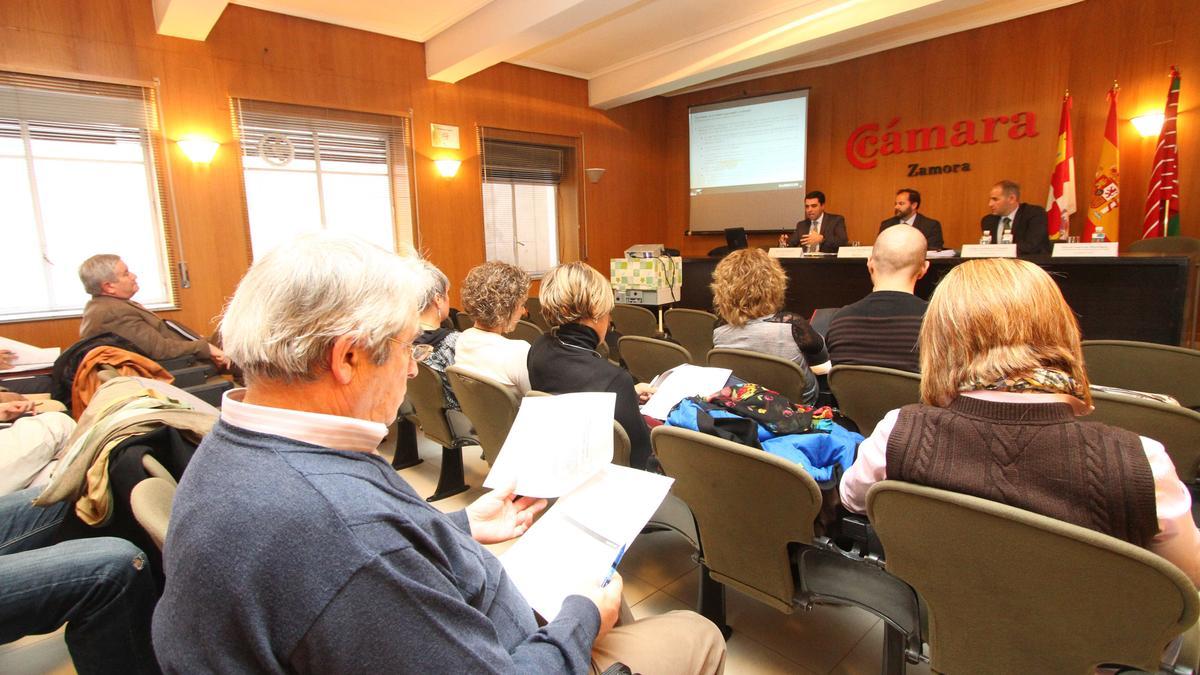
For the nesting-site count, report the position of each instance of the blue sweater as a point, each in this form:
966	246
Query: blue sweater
288	557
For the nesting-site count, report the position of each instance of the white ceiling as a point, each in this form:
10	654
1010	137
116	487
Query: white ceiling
629	50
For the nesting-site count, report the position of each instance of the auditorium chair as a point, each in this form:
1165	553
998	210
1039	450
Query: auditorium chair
463	321
1145	366
1010	591
525	331
693	329
774	373
151	501
533	309
489	405
646	358
866	393
634	320
754	514
426	407
1177	428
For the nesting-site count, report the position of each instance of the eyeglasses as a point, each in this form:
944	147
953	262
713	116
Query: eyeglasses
419	352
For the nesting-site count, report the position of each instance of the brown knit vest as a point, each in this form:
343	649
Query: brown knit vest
1036	457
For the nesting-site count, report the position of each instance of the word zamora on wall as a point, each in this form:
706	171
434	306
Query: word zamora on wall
866	143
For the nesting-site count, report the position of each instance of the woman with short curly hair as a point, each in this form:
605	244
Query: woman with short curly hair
494	295
748	288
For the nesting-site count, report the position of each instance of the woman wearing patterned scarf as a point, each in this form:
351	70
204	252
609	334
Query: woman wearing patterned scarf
1003	382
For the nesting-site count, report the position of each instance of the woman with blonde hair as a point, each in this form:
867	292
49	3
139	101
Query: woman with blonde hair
1003	381
748	288
494	295
577	302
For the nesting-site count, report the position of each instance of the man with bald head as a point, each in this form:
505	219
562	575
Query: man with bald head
882	328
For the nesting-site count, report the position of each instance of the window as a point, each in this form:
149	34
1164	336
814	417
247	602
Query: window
525	206
79	175
308	169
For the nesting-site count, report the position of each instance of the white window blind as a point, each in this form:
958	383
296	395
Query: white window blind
520	197
80	174
307	169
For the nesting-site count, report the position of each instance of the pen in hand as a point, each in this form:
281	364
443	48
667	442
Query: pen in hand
613	570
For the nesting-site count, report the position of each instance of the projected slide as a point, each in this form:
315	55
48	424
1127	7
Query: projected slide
747	162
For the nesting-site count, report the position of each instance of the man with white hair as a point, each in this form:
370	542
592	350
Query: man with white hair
882	328
111	310
292	542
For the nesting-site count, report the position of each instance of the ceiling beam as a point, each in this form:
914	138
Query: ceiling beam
793	33
504	29
189	19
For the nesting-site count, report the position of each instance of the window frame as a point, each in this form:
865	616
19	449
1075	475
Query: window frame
155	162
396	130
570	195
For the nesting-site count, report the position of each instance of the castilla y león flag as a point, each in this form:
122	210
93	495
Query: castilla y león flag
1060	204
1104	204
1162	200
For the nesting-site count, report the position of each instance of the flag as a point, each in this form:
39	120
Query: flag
1104	206
1060	203
1162	199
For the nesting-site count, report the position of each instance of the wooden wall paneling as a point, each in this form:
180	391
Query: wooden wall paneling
257	54
1018	65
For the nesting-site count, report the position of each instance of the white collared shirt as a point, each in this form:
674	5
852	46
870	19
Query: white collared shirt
327	431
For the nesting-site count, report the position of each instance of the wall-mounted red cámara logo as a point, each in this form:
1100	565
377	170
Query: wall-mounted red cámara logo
866	143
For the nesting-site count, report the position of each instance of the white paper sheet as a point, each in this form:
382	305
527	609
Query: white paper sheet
556	443
573	546
28	356
681	382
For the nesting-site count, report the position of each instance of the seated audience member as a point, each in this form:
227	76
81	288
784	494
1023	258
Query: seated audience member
494	295
907	207
101	588
1003	380
111	310
436	330
29	447
882	328
748	288
577	304
323	328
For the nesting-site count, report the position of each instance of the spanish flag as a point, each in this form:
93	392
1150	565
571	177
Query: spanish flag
1104	204
1060	203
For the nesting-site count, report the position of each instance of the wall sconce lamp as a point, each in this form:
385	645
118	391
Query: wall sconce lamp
594	175
1149	124
448	168
199	149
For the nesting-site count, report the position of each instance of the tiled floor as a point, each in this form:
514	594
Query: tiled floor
660	576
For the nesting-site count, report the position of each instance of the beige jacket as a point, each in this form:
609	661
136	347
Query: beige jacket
105	314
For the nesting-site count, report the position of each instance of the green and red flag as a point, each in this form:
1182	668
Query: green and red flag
1162	199
1060	203
1104	205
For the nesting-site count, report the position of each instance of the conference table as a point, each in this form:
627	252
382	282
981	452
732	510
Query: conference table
1146	297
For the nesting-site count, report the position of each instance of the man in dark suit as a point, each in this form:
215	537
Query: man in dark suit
1027	221
908	203
820	231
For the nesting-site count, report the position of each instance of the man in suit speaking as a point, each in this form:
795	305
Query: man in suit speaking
820	232
1026	221
908	203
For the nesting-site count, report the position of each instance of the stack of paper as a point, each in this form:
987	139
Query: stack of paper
28	356
682	382
561	446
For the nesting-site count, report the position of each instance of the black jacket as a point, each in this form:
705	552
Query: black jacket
833	227
932	229
566	361
1029	229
